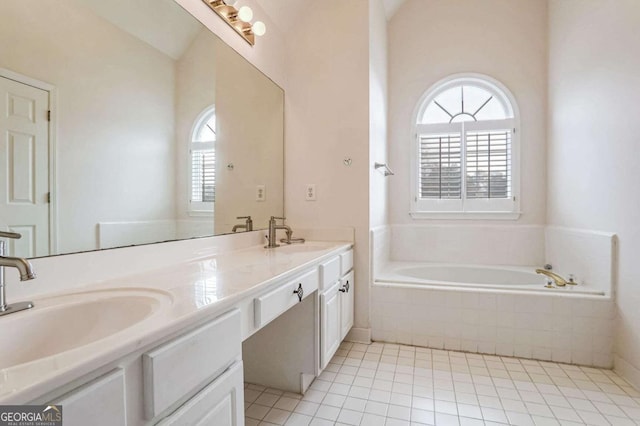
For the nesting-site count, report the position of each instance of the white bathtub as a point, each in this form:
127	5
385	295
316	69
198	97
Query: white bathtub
471	276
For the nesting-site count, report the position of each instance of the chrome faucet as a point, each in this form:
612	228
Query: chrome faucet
557	279
248	224
273	227
26	273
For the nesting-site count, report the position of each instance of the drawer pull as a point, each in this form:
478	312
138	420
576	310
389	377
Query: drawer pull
299	292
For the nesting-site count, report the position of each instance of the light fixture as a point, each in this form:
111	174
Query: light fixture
259	28
238	19
245	14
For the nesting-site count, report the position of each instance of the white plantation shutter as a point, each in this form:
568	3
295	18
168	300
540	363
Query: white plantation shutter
202	173
488	164
440	166
203	176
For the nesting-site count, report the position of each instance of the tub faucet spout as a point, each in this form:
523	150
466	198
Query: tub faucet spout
557	279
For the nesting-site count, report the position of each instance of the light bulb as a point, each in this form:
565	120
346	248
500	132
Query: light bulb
259	28
245	14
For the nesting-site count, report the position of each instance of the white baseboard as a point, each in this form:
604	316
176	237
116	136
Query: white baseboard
359	335
630	373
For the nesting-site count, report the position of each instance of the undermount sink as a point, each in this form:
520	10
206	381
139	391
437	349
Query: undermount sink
62	323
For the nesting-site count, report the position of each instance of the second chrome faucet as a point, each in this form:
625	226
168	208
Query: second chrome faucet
273	228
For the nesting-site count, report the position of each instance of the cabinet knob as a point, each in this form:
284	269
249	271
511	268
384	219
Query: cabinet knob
299	292
346	286
342	290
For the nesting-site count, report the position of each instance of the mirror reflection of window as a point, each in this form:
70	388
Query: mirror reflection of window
202	175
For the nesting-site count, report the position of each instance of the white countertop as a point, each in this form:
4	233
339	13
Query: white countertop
188	292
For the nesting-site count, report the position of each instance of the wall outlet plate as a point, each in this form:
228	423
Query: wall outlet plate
310	193
261	193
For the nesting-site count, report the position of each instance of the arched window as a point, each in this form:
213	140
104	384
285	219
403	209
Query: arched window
466	152
202	174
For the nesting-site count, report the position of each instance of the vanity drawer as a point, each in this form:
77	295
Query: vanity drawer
270	305
175	370
220	403
346	262
102	401
329	272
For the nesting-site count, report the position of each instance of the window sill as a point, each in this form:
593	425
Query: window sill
465	215
200	213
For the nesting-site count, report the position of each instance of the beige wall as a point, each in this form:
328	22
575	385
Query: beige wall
249	112
327	120
378	100
97	69
594	93
505	39
195	91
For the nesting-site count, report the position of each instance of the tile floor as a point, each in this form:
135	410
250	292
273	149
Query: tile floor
384	384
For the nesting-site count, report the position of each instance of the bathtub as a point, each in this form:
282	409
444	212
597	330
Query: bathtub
440	275
495	310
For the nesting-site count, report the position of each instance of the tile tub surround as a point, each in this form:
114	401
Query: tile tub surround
589	255
393	385
577	329
474	244
571	329
199	289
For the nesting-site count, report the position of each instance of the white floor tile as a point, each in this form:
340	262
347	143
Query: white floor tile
395	385
297	419
349	417
372	420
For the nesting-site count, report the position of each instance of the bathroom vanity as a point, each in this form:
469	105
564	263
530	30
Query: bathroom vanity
174	345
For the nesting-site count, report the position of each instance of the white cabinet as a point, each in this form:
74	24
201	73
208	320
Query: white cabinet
102	401
330	319
336	304
346	304
220	403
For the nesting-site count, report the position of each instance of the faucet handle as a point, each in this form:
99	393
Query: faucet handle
243	217
13	235
274	218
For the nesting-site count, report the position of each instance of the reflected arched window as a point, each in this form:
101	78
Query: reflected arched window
202	175
466	149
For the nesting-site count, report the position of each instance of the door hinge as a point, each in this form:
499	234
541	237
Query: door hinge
48	197
49	115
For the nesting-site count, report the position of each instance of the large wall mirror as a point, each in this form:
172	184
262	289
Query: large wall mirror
158	130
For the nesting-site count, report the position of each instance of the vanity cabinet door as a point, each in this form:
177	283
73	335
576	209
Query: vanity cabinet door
330	323
99	403
346	304
221	403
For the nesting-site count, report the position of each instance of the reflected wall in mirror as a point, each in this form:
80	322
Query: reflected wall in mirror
158	130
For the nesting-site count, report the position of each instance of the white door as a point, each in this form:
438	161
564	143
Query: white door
330	323
24	162
346	304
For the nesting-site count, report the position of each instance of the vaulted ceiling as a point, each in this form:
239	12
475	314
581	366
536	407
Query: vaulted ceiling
283	12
